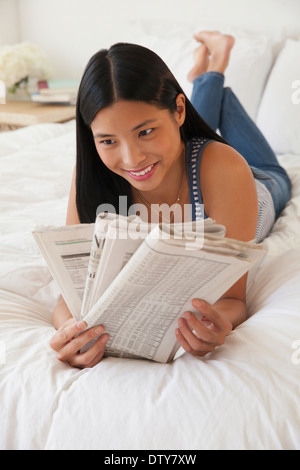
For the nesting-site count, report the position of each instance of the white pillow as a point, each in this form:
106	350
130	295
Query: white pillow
250	61
279	113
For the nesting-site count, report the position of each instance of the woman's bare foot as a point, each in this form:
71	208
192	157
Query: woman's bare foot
201	59
219	46
218	50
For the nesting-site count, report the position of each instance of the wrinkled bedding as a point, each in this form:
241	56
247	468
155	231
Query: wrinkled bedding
244	395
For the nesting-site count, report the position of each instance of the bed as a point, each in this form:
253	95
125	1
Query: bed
244	395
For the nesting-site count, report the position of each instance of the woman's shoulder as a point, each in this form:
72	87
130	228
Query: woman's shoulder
214	156
228	189
219	157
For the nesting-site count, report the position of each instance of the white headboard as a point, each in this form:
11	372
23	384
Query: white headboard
70	31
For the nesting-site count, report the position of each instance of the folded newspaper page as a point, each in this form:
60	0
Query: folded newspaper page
141	306
72	253
67	253
138	279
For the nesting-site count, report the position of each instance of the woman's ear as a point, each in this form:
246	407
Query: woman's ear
180	109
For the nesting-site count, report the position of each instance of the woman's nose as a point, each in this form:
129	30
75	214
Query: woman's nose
132	156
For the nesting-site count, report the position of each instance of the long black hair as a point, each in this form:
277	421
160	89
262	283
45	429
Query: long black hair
128	72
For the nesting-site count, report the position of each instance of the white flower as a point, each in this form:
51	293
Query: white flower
22	61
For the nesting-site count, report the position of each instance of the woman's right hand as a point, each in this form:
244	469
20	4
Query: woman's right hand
71	337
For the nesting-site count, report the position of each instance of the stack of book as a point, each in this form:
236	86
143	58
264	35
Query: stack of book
56	92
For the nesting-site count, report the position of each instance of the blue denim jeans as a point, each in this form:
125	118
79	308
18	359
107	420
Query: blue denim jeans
221	109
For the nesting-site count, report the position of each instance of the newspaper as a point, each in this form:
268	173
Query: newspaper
139	279
67	253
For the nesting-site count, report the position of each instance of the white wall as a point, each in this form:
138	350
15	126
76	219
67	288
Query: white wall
70	31
9	22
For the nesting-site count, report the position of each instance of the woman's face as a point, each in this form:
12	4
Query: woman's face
139	141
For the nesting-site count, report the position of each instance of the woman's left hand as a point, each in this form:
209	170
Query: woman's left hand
201	337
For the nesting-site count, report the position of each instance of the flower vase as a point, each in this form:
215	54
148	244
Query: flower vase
22	91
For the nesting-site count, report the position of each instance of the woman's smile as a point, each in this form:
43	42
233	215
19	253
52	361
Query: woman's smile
144	173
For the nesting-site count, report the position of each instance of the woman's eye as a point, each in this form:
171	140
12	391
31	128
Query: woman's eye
107	142
145	132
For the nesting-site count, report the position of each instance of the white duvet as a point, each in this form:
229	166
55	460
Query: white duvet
245	395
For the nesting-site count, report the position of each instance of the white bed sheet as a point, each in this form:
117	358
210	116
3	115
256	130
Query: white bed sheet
243	396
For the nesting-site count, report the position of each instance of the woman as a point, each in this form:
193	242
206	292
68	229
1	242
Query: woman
138	135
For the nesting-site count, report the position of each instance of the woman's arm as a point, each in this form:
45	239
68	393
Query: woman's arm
61	312
230	198
72	214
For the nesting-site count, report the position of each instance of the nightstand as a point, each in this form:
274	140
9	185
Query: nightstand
15	114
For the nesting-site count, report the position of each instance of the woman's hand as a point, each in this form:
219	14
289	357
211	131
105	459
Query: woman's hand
201	337
70	338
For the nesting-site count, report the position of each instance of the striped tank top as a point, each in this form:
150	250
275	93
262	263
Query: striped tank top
266	212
